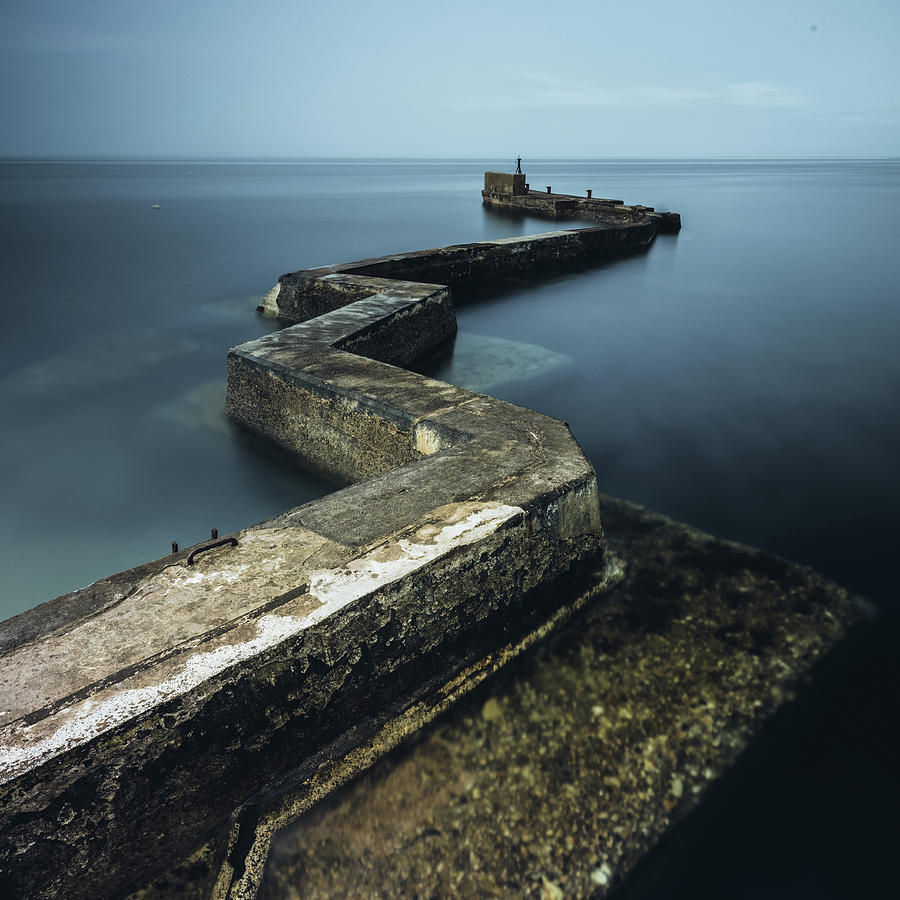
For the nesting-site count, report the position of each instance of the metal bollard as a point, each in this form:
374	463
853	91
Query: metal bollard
589	193
548	188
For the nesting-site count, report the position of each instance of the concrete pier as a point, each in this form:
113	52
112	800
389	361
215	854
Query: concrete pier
299	296
500	195
190	708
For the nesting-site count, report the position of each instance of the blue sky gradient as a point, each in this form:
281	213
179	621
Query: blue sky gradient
408	79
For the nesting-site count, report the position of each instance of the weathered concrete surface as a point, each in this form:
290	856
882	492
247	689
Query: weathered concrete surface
306	294
568	768
193	692
303	295
567	206
557	777
142	716
504	183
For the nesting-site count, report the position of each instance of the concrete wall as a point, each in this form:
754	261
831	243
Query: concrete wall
567	206
504	183
306	294
144	715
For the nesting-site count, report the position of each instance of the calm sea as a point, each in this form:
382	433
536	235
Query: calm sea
742	376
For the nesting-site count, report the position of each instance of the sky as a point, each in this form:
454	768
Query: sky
574	78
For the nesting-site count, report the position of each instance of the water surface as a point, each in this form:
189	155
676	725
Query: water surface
741	376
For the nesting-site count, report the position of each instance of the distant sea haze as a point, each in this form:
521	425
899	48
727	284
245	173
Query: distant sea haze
741	376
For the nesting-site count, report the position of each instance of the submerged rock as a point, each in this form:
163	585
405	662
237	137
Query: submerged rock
201	406
611	731
480	362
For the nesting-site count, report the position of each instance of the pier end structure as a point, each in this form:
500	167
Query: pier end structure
505	183
498	194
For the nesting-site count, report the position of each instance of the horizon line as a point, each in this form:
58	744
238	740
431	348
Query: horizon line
387	158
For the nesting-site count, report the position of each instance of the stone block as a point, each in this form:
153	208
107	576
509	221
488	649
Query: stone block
504	183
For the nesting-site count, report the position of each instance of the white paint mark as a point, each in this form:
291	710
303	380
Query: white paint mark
336	587
457	525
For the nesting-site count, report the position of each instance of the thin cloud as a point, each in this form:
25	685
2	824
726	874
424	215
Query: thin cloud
544	92
888	118
761	93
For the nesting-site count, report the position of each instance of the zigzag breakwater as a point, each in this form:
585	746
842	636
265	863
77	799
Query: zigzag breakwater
193	706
